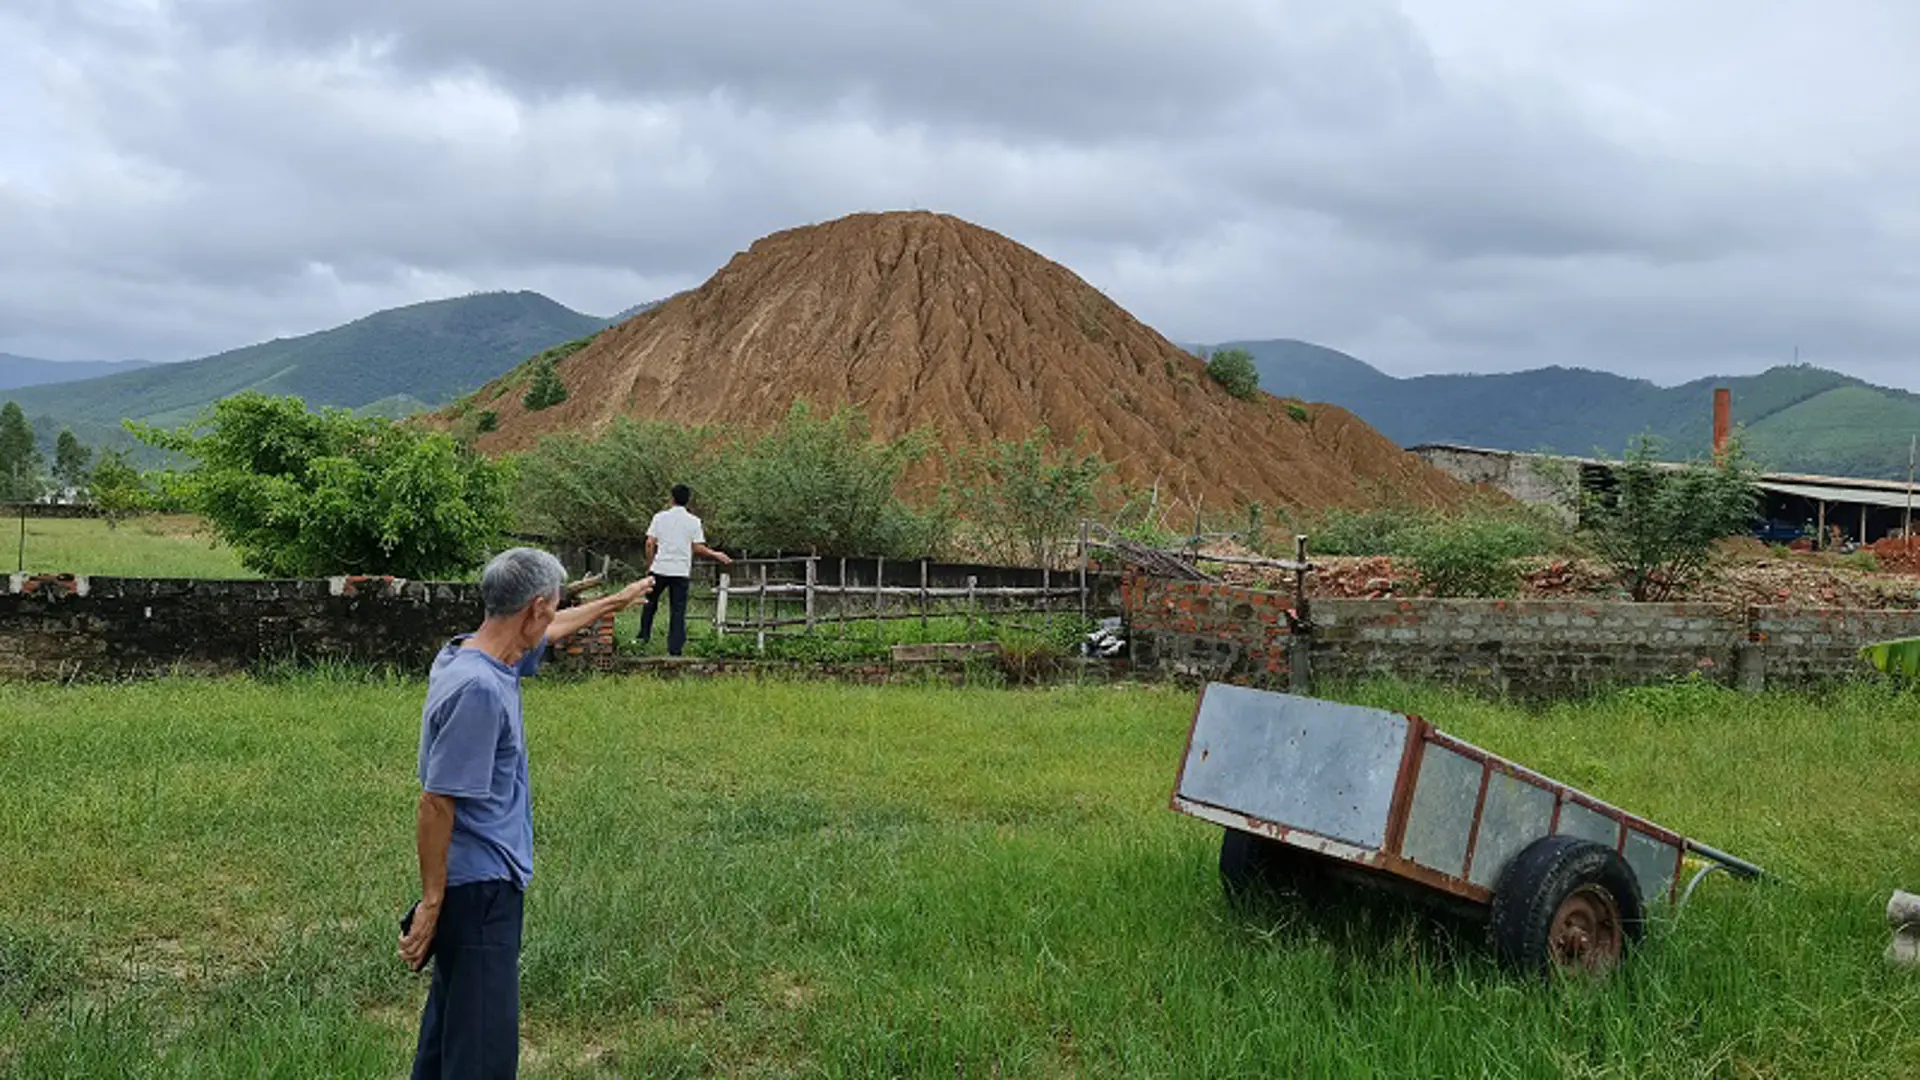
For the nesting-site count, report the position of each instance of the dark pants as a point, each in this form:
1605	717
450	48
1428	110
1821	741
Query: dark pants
676	590
471	1027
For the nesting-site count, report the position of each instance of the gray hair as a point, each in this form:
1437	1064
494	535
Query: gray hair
518	576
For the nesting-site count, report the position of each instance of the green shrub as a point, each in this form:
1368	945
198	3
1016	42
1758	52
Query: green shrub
117	489
1363	532
1862	561
546	390
575	488
1233	369
488	420
823	485
1298	412
1470	556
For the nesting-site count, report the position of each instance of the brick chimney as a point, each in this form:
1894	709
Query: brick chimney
1722	420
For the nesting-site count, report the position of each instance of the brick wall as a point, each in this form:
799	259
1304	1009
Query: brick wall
1209	631
65	626
1529	648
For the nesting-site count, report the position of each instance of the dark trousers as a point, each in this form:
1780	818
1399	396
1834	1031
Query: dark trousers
471	1026
676	590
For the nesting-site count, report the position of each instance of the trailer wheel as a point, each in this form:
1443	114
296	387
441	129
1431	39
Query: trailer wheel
1250	862
1565	904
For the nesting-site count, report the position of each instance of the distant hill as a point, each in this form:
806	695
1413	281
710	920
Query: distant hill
19	371
396	360
925	321
1796	418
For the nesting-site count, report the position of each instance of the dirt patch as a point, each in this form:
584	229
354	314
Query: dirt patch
924	320
1898	555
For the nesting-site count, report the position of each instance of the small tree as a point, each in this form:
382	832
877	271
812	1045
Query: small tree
117	489
1233	369
1657	525
1025	499
546	390
70	460
22	470
301	493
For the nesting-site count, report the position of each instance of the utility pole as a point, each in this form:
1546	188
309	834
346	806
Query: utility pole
1913	454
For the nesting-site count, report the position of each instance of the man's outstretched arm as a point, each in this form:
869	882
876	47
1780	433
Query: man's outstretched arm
570	621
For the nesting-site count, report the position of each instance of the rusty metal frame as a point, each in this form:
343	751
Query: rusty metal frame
1389	858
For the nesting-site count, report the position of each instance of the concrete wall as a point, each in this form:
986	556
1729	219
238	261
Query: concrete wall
1527	648
1519	475
65	626
1802	646
1536	648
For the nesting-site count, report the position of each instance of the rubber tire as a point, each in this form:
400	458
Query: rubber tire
1250	862
1534	884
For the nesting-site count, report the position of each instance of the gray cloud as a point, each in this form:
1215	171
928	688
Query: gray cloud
1433	185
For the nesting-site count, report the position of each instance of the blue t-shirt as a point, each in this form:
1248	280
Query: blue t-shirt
473	748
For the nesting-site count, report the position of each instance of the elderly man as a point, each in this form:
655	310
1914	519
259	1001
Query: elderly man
475	826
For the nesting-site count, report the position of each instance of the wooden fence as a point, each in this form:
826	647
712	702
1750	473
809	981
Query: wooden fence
808	594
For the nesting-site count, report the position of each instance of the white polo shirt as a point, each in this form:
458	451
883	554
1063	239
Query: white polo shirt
676	531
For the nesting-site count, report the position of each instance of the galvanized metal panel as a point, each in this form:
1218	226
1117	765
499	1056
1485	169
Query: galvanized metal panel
1295	761
1653	863
1516	814
1588	824
1440	819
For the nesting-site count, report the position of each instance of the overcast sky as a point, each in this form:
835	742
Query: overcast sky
1660	189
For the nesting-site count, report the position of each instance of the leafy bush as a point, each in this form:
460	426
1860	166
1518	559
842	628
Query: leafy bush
546	389
299	493
1298	412
606	488
117	489
1657	525
1233	369
1470	556
488	420
1865	562
1363	532
822	485
1024	500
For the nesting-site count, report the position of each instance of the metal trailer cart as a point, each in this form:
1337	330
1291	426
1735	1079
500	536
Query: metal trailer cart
1300	784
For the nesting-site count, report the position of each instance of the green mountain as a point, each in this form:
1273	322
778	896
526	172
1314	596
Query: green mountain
390	362
1796	418
19	371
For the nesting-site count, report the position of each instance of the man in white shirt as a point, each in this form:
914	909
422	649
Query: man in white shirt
673	538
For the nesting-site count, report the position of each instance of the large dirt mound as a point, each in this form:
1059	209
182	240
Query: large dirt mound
922	319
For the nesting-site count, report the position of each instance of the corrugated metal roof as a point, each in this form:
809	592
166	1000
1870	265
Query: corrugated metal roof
1847	489
1839	493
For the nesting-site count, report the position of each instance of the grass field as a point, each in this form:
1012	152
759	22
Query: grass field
768	880
157	545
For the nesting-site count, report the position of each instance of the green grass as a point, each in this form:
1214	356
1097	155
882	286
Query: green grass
856	639
160	545
764	879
